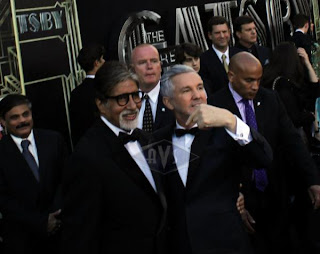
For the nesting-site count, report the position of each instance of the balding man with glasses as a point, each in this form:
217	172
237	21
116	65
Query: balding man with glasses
113	202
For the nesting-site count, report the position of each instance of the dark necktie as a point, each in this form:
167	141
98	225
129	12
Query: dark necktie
125	137
147	124
30	159
181	132
260	175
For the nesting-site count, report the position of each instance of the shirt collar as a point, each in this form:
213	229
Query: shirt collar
237	97
18	140
219	53
178	126
116	130
299	30
90	76
154	93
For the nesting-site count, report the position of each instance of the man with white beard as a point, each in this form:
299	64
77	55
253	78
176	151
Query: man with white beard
113	202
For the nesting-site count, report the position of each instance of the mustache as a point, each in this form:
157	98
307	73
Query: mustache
129	112
21	125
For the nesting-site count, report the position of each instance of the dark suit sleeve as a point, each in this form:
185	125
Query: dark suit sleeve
62	156
22	201
258	153
81	212
16	211
204	71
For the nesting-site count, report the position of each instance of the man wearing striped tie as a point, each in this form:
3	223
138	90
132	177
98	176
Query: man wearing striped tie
30	174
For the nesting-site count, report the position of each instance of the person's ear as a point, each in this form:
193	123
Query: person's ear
101	105
238	34
230	76
167	102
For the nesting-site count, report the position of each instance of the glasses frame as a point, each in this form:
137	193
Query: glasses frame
118	97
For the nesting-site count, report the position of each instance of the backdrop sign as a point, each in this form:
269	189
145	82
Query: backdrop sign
173	22
41	23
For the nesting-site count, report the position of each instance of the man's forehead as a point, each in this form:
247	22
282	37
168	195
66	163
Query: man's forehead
187	78
21	107
248	25
146	52
220	27
126	86
251	72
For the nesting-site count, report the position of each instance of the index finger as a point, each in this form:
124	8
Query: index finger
190	119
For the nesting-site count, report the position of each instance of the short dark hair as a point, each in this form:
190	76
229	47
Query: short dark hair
188	48
11	101
217	20
89	54
108	76
300	20
241	20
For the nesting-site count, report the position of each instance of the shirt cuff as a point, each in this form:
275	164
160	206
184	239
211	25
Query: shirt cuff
243	134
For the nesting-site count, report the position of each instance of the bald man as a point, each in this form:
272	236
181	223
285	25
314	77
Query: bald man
145	62
269	208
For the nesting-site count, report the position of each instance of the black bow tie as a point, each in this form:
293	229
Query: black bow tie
125	138
181	132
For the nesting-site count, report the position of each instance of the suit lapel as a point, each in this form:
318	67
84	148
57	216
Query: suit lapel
231	104
197	148
126	163
218	66
258	108
18	161
43	153
161	113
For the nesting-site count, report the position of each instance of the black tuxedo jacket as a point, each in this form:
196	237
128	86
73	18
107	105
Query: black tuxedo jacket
275	125
164	116
302	40
202	216
109	205
24	202
82	109
212	69
291	161
262	53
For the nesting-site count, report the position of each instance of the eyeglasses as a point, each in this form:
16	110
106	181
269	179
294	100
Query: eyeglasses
123	99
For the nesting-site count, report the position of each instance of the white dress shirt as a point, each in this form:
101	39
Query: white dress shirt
182	146
135	151
219	54
153	99
32	147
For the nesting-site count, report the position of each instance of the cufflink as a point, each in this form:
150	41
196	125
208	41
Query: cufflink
163	109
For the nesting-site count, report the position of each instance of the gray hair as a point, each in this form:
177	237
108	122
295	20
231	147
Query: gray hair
167	86
109	75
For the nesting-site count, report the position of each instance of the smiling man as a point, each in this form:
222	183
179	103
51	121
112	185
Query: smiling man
203	190
215	61
113	202
30	174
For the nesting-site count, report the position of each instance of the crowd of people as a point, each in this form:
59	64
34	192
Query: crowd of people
211	156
